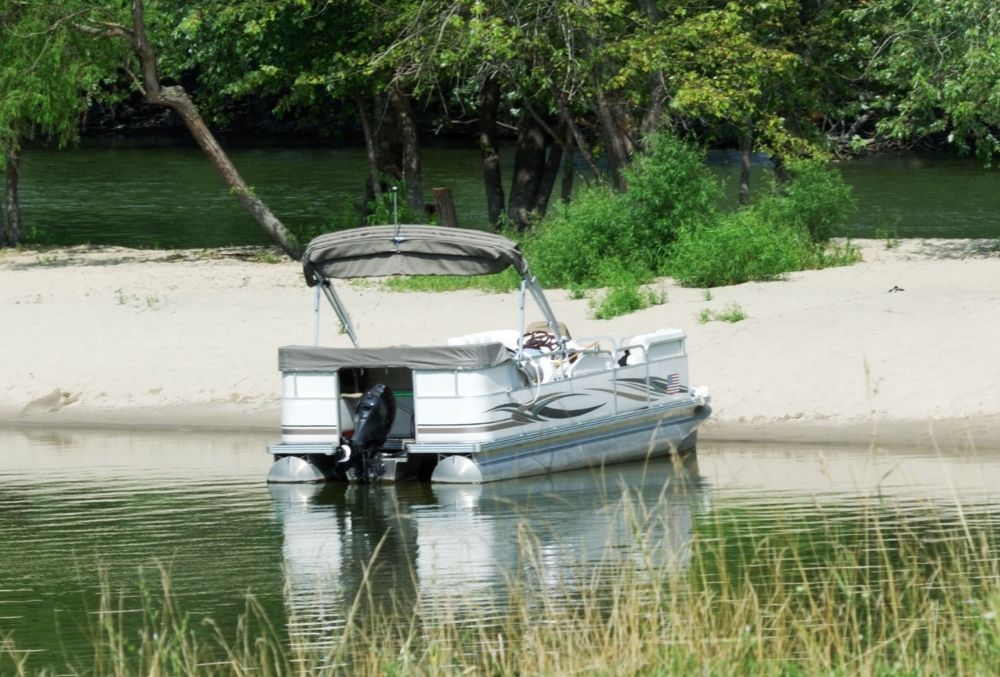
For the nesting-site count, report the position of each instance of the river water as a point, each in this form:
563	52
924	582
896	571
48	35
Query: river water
155	192
84	509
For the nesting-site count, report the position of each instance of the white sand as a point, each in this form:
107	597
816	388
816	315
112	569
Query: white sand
124	337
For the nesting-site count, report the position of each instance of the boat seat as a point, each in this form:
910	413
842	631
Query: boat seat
581	363
542	325
508	337
639	346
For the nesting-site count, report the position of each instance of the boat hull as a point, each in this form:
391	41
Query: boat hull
621	439
607	444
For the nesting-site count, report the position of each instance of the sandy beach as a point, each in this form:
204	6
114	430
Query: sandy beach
901	349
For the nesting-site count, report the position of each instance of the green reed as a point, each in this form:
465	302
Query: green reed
880	587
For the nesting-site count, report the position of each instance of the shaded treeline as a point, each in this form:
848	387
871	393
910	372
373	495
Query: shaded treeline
578	85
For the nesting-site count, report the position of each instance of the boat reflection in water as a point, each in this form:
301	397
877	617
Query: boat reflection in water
454	550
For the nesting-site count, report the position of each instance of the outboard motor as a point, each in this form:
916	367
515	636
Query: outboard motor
373	417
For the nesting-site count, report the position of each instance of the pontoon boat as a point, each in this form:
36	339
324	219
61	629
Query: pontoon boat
488	406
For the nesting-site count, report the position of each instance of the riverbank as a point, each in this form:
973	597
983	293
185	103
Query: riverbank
113	336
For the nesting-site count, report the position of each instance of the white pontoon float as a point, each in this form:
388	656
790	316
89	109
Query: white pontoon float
488	406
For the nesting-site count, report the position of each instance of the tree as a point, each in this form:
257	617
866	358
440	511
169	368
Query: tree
49	78
101	23
939	66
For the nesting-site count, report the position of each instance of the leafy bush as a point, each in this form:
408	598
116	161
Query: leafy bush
732	313
625	294
381	210
786	230
670	190
740	248
816	201
601	232
578	244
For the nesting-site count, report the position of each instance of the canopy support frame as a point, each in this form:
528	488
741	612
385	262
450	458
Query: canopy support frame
339	309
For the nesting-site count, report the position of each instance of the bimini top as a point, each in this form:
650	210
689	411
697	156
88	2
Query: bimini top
377	251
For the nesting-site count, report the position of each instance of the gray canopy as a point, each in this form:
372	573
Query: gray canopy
315	358
378	251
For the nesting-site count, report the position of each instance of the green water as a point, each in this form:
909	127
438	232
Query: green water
158	192
81	508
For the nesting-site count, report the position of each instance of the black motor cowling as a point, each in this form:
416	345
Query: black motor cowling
373	417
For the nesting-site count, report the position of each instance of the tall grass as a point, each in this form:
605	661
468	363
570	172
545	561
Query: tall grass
877	590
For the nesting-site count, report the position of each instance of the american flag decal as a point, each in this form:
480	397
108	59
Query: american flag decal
673	384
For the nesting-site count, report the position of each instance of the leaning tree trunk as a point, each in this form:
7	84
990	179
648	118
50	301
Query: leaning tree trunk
411	149
489	105
529	166
11	199
178	100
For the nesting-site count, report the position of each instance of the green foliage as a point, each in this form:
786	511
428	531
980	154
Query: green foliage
786	230
666	222
623	298
732	313
393	207
589	241
50	73
889	236
572	246
669	191
741	247
938	67
500	283
816	201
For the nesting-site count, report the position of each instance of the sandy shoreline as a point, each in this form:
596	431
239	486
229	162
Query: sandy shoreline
115	336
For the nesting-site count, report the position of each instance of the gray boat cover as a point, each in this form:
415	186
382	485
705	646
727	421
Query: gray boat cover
378	251
463	358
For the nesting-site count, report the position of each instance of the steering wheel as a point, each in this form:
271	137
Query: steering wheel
540	340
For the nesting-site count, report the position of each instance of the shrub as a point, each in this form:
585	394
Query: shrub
625	294
816	201
576	243
670	191
740	248
784	231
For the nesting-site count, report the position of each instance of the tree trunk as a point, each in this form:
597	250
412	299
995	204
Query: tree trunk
529	165
445	206
411	149
653	117
178	100
746	151
569	168
780	169
577	135
3	227
11	199
617	145
366	131
552	163
489	105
